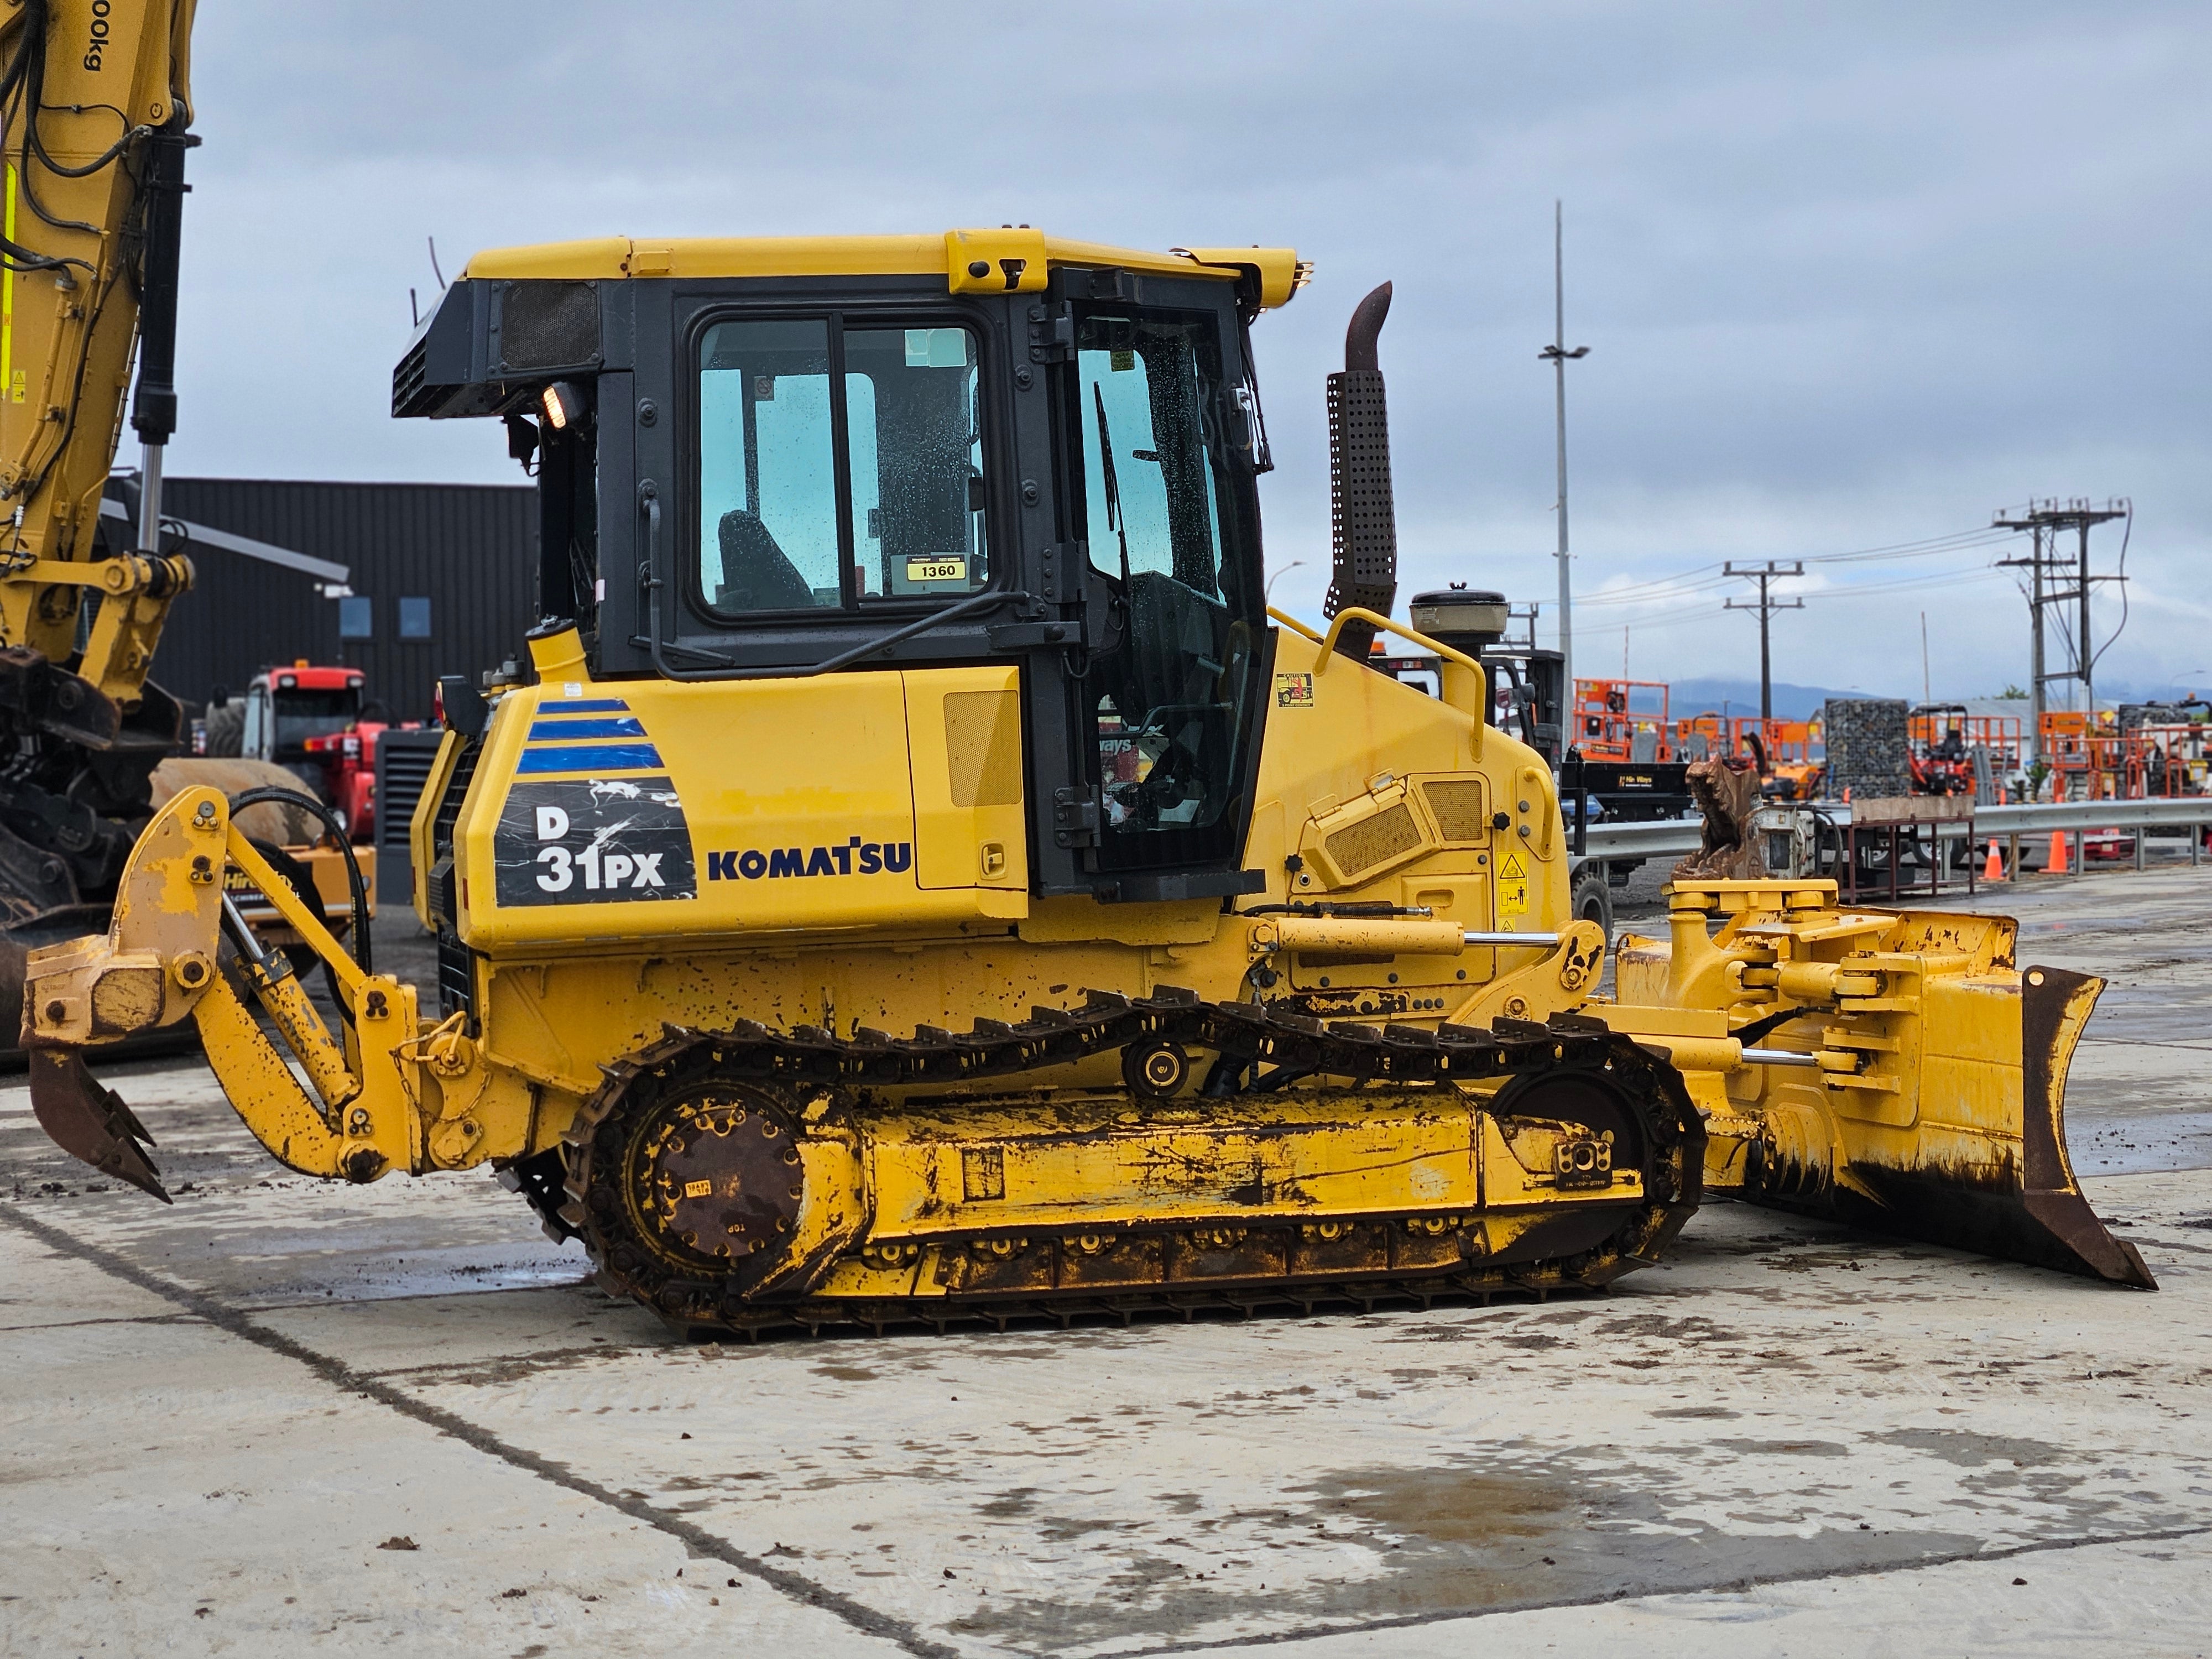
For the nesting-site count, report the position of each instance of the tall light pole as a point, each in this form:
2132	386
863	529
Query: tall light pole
1560	356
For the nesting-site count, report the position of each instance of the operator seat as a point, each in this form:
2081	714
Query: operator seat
757	575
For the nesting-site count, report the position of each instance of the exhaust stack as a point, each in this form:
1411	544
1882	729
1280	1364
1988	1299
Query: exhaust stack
1363	521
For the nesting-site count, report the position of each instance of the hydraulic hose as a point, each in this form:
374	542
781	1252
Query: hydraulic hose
358	945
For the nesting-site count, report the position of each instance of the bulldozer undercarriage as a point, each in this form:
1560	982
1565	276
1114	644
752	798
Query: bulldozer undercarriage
746	1179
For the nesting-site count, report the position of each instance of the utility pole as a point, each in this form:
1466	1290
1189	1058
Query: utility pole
2046	587
1766	604
1558	354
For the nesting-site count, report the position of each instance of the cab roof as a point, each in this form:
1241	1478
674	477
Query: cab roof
1008	259
304	677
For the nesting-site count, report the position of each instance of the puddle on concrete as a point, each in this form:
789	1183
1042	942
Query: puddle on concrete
1968	1451
1511	1532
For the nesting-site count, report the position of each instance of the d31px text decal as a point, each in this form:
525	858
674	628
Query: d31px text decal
593	840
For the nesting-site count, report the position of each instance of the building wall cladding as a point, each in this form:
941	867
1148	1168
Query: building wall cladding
471	549
1867	749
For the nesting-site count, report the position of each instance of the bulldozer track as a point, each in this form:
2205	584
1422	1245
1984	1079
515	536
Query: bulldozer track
1252	1048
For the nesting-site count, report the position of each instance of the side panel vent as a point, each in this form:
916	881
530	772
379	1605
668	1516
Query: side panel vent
1375	840
410	395
457	988
1457	805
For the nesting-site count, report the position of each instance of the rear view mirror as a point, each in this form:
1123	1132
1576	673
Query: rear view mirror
1248	427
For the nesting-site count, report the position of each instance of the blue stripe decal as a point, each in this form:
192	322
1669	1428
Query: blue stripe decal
606	757
568	731
582	706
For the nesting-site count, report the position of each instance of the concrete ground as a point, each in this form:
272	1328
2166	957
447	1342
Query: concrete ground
283	1418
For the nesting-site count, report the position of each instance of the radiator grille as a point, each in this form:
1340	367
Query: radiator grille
408	394
456	963
404	761
457	981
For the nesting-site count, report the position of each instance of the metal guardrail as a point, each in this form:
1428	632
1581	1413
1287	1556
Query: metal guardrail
1644	840
1680	836
2177	813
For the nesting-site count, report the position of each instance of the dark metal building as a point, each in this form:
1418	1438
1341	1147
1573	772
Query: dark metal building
443	581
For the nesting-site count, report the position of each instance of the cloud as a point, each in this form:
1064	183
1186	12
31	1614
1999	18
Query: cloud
1850	276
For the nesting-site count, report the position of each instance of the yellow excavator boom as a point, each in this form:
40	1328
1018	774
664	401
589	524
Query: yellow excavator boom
96	96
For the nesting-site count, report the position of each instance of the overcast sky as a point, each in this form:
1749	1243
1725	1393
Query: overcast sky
1850	278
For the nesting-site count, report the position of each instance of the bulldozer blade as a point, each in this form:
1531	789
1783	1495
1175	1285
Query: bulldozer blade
89	1120
2055	1006
2027	1208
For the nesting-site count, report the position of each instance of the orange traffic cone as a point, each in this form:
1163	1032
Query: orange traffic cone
2056	863
1993	868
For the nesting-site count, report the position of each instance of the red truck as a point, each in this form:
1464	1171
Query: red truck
313	722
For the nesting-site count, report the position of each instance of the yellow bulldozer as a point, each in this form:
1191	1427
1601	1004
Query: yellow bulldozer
915	878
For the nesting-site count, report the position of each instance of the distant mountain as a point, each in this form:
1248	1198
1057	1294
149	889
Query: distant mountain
1735	697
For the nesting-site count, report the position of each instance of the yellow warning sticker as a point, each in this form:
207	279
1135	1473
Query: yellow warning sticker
1294	690
1512	886
697	1188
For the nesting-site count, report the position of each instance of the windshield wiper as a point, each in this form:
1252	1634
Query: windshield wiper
1114	521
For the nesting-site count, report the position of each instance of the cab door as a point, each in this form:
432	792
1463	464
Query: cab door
1166	719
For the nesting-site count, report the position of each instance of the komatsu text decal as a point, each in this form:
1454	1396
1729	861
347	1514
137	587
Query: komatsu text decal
851	857
593	840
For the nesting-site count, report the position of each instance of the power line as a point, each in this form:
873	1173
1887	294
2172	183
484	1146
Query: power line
1699	577
1957	542
1766	604
1843	591
2045	590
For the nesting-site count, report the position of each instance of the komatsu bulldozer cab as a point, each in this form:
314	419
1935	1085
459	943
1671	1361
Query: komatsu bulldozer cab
779	460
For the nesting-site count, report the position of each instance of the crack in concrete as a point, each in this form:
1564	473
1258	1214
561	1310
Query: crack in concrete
340	1375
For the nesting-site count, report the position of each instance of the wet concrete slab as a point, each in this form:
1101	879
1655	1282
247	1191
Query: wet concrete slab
1789	1438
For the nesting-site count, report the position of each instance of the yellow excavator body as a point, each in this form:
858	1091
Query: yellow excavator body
96	134
914	875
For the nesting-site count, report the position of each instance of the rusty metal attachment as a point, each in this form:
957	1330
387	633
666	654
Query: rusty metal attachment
1727	793
89	1120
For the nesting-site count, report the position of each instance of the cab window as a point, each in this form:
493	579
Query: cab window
783	525
768	495
916	473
